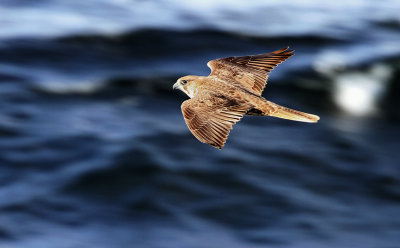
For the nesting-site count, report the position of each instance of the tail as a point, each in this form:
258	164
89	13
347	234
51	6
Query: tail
289	114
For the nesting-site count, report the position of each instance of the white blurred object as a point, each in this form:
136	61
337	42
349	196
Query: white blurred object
355	92
358	93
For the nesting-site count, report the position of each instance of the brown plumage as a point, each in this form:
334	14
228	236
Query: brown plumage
233	89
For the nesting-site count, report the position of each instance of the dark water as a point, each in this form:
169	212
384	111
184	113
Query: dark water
94	151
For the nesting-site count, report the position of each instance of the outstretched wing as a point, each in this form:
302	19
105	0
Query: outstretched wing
248	72
211	119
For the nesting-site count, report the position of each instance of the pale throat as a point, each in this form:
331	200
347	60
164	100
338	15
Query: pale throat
190	91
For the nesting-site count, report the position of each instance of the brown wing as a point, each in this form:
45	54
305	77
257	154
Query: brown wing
210	120
249	72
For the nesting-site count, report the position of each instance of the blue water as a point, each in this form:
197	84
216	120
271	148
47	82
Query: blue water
94	151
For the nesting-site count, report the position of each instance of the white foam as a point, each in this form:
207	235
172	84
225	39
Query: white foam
256	17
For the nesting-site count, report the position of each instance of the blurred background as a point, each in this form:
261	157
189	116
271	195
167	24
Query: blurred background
94	151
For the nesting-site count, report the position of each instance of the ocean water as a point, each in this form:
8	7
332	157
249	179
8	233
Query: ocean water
94	151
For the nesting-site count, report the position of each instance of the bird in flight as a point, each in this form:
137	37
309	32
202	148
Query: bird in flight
233	89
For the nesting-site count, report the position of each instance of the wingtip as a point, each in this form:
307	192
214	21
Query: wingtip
215	145
285	51
289	52
219	147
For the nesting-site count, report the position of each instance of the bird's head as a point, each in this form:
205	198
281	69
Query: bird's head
188	84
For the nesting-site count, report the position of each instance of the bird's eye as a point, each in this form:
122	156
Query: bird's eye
183	82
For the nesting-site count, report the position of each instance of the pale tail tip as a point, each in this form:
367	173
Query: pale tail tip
310	118
315	118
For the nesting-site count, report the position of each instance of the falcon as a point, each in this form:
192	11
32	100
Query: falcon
233	89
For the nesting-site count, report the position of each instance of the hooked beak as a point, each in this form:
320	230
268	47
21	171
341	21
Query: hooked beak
175	86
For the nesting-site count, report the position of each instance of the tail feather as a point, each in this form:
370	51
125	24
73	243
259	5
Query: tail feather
291	114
